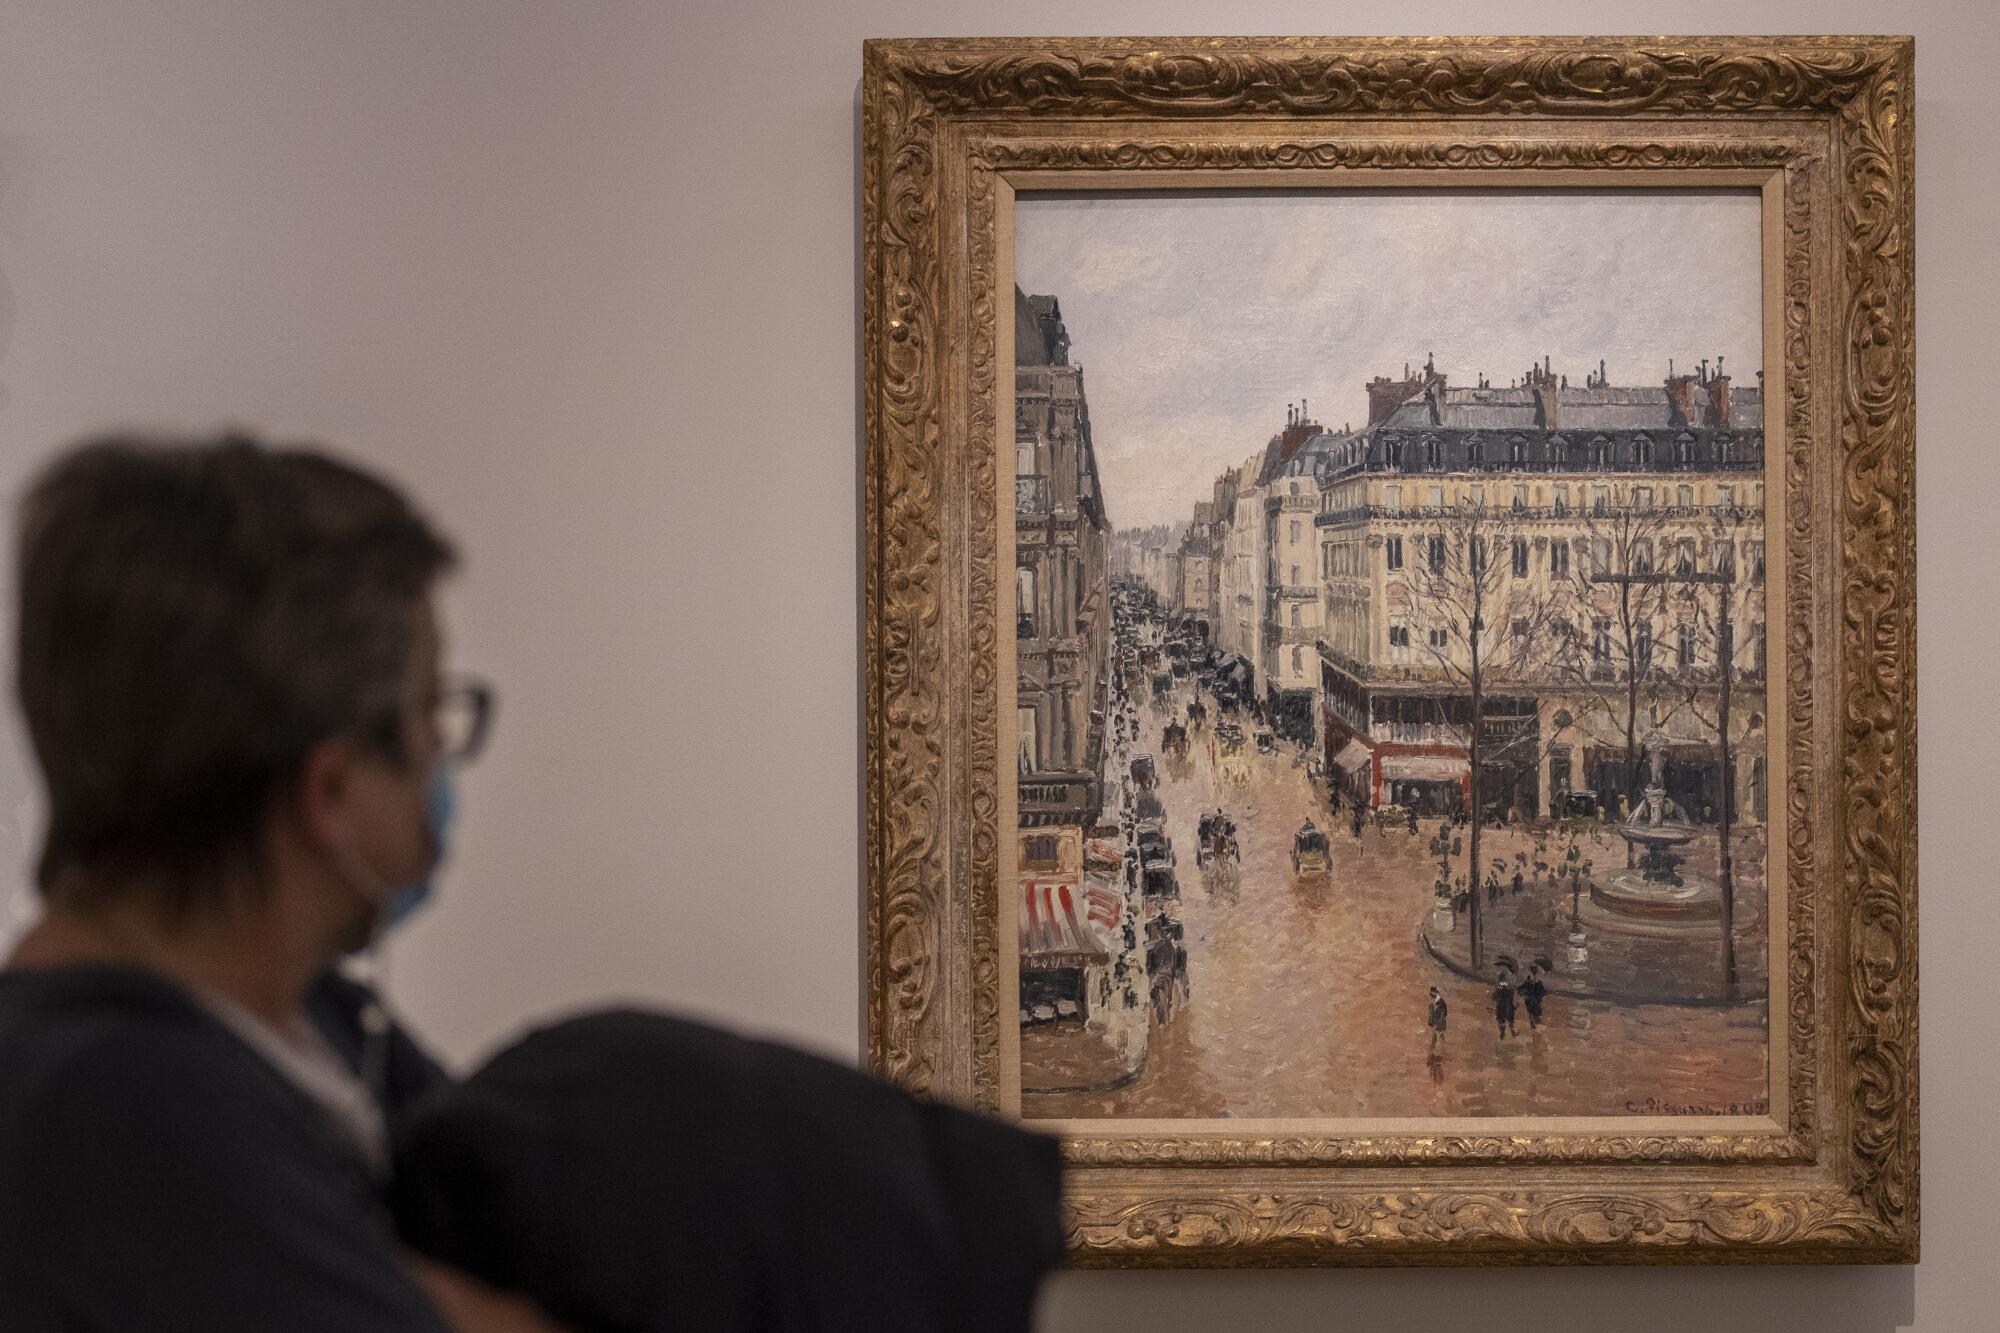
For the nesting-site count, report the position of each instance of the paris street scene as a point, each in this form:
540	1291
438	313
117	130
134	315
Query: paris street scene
1404	758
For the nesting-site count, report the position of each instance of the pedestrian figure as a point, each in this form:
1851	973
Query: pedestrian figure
1435	1020
1492	887
1532	992
1413	819
1503	1003
1519	883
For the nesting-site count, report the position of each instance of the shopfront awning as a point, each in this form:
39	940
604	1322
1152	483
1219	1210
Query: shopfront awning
1353	758
1423	767
1057	927
1102	855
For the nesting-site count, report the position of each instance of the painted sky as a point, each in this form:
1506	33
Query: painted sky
1198	317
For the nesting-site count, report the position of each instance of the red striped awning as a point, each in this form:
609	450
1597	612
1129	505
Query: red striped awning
1103	904
1053	931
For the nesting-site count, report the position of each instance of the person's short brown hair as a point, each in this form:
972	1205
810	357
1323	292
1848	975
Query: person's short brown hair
195	615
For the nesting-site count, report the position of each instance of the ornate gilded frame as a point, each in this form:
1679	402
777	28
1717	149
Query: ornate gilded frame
1826	123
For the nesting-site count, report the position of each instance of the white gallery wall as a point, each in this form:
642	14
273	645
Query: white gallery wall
584	276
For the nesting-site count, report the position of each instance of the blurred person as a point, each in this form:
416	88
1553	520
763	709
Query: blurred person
229	665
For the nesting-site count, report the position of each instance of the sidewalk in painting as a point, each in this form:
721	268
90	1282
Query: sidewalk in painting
1621	961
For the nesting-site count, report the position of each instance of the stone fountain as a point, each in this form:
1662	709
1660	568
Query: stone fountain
1657	892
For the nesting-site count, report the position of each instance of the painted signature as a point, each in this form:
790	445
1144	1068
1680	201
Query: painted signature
1654	1106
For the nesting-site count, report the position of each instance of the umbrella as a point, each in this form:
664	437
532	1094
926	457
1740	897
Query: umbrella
1507	961
1545	964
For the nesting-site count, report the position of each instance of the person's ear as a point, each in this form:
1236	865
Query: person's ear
323	799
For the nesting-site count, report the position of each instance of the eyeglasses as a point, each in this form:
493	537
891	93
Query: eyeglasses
463	711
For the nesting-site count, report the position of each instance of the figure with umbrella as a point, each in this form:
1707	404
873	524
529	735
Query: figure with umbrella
1534	990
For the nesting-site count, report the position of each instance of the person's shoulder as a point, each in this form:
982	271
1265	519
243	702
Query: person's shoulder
89	1054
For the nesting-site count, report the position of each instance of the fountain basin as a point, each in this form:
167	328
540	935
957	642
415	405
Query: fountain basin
1630	894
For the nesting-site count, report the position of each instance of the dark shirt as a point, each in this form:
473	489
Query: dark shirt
156	1173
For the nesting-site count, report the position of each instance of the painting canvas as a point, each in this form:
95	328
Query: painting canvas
1389	706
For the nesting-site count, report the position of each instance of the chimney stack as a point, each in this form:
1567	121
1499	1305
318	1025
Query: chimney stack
1680	399
1715	413
1386	395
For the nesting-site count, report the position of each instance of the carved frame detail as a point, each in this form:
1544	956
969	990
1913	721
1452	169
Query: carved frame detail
942	121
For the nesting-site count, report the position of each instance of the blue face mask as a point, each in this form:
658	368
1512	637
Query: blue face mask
441	806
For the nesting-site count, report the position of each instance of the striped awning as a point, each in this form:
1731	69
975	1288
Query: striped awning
1059	924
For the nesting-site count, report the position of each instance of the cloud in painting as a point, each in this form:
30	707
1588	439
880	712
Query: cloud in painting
1198	316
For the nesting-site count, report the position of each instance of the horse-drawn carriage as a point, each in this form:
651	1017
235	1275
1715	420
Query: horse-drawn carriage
1232	763
1197	714
1311	858
1174	742
1217	833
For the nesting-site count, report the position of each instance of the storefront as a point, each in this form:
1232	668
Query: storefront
1062	949
1430	784
1354	771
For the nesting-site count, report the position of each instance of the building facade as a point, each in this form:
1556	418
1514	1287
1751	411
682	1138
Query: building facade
1601	548
1240	585
1062	645
1292	614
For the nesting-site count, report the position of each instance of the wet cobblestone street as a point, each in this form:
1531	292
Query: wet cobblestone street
1307	997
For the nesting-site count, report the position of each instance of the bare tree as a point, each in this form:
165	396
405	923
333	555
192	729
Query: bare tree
1610	655
1724	609
1484	625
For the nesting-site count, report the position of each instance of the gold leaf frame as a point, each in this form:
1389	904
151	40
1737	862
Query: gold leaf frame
1824	124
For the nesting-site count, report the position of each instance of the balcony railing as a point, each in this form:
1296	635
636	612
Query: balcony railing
1059	798
1045	379
1500	512
1747	454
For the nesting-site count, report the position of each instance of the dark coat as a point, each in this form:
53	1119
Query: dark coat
161	1175
634	1172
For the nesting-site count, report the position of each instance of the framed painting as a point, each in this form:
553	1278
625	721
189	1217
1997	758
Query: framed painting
1389	637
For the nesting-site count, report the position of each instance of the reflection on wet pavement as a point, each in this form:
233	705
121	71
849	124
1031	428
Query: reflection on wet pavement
1308	997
